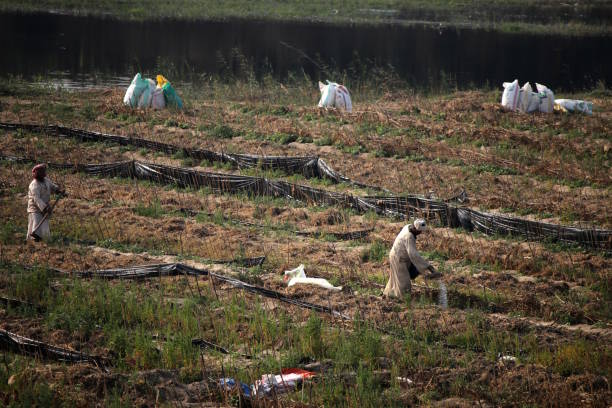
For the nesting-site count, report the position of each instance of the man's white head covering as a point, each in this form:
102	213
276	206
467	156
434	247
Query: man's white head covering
420	225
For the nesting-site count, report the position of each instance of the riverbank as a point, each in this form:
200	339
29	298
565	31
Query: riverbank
546	17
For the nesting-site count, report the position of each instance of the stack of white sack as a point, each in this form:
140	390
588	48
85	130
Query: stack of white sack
144	93
334	95
140	92
525	100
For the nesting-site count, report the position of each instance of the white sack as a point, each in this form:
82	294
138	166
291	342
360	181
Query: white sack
510	97
343	98
147	95
134	91
157	99
298	276
575	105
547	98
129	94
525	96
328	95
529	100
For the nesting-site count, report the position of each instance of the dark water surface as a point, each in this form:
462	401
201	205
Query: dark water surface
81	51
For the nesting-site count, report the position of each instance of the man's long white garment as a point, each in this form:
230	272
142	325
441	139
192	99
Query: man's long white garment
39	196
403	254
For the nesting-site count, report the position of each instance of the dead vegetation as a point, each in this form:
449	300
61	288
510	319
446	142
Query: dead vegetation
528	323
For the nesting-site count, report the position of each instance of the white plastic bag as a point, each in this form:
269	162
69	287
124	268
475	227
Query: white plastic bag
298	276
287	381
529	100
343	98
547	98
157	100
328	94
335	95
525	96
510	97
129	94
134	91
147	95
575	105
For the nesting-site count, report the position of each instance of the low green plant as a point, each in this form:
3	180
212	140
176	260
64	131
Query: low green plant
152	209
376	252
223	132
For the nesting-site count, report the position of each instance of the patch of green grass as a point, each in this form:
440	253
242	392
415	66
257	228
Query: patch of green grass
152	209
128	315
58	111
31	285
577	357
28	389
324	141
224	132
376	252
9	231
493	169
89	112
283	138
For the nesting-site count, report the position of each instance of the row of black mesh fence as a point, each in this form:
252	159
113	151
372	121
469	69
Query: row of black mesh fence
403	207
308	166
24	345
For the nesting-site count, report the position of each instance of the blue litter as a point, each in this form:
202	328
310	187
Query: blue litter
230	384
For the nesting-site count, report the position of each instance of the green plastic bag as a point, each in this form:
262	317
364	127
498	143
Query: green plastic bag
172	98
135	90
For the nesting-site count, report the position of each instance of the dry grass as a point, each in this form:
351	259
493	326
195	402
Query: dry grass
506	297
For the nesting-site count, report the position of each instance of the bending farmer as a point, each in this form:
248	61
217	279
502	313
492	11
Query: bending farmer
406	262
39	209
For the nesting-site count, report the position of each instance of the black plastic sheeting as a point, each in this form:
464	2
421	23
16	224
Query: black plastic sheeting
23	345
442	213
308	166
18	303
175	269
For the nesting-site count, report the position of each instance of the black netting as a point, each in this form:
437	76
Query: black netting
308	166
442	213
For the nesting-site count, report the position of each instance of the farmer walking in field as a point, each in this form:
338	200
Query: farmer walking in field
406	262
39	207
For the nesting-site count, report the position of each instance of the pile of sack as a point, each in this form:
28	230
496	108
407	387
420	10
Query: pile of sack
145	93
334	95
526	100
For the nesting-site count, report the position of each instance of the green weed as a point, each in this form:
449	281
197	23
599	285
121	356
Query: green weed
152	209
375	253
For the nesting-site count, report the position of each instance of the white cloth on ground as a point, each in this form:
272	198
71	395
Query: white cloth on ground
403	254
298	276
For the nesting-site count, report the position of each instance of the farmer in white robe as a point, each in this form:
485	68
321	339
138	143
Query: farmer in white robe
39	197
406	262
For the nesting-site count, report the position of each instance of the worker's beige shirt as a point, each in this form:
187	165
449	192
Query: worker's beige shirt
404	248
39	194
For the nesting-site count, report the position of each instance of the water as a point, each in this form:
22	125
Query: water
442	298
94	51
